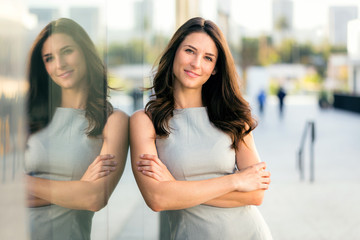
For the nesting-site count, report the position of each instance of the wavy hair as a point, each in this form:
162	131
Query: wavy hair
45	96
226	108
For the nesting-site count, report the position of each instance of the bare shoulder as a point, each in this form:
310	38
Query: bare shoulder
117	120
140	117
118	115
139	120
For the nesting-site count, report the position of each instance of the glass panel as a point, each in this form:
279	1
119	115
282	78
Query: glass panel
12	119
301	48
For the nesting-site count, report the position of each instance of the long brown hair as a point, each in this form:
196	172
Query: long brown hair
45	96
226	108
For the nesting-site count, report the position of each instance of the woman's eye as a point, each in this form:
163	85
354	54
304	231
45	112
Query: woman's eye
49	59
189	50
68	51
209	59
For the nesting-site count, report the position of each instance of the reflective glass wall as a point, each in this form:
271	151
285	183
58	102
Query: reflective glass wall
292	49
128	39
13	88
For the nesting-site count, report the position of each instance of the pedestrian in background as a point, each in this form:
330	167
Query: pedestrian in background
281	94
261	97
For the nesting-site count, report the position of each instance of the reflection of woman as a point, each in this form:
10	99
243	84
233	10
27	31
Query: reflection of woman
78	144
191	138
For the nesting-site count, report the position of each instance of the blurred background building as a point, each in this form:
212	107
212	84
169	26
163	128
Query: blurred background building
310	48
339	16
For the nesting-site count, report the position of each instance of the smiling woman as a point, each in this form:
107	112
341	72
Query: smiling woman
194	61
192	151
77	147
64	61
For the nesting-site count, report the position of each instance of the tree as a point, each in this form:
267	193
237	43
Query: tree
248	54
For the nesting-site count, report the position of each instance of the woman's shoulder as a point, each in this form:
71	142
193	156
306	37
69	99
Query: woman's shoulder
139	115
140	119
117	113
117	119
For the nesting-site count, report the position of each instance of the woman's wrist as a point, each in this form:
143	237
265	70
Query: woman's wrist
234	181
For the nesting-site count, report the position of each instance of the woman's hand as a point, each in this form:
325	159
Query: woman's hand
151	166
253	178
100	167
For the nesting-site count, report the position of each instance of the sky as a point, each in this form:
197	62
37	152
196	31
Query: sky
120	14
256	14
253	15
250	14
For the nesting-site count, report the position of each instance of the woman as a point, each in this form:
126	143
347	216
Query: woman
188	143
78	144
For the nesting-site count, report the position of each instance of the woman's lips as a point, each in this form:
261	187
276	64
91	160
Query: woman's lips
65	74
191	74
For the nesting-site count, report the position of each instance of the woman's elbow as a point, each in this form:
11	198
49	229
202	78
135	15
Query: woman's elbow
96	203
155	207
155	203
258	198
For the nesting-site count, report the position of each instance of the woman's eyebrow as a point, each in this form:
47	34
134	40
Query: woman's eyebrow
61	49
188	45
47	54
67	46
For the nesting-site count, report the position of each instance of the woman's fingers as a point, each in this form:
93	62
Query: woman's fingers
151	174
265	174
254	177
150	165
102	166
151	157
147	165
102	158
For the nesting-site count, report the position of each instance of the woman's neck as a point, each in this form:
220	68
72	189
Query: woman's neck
73	99
188	99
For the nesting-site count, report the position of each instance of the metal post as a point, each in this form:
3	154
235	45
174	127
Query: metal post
312	163
310	125
300	160
300	164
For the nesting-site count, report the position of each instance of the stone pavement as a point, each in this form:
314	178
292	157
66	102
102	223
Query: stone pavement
294	209
327	208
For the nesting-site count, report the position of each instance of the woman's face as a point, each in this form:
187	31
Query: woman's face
195	61
64	61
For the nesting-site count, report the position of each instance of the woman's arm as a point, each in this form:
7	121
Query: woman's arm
246	155
33	202
172	194
85	194
102	166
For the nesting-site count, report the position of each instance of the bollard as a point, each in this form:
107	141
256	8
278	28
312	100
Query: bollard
310	125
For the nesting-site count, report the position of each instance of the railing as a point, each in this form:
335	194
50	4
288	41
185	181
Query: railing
309	126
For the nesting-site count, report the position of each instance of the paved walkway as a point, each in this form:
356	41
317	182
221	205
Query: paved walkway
325	209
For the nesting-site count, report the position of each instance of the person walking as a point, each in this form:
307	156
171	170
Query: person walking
281	94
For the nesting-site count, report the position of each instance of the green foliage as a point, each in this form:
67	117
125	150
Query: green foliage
249	52
281	24
130	53
261	51
136	51
267	54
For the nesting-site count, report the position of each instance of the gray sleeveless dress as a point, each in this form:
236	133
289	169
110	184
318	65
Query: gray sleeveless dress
196	150
61	151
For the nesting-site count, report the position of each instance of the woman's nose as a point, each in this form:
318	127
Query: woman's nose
196	61
60	62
